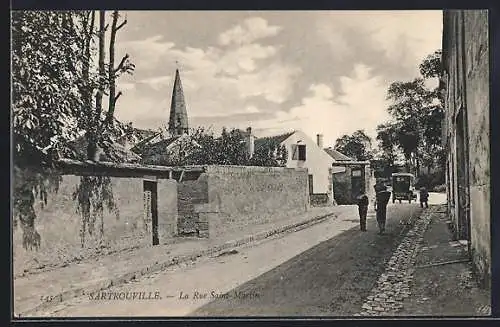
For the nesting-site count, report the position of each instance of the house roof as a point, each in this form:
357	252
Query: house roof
158	146
142	144
338	156
277	138
117	151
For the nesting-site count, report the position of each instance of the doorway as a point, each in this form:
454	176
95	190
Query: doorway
151	207
357	182
311	188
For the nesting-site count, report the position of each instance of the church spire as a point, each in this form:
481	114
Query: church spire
178	123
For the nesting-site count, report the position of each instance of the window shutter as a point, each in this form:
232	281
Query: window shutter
295	153
302	152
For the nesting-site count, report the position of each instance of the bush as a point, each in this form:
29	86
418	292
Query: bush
439	188
431	181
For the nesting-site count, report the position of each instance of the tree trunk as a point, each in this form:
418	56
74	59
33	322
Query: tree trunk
111	70
113	97
101	67
87	89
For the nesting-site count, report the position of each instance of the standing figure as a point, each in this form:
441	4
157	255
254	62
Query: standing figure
363	210
424	197
382	197
379	186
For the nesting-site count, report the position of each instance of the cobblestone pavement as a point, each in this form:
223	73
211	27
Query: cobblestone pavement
394	285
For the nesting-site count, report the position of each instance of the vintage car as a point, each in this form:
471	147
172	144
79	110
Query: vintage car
403	187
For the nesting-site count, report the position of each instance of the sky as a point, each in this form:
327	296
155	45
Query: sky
322	72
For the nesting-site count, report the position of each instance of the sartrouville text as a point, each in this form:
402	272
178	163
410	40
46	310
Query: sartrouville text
125	296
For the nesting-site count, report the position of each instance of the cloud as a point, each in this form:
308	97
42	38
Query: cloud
252	109
216	81
252	29
404	37
147	53
244	58
359	104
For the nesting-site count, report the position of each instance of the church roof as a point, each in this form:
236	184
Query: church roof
178	112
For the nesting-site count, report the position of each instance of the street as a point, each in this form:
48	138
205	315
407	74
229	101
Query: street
325	270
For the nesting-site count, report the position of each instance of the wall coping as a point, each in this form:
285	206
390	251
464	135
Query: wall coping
113	169
245	169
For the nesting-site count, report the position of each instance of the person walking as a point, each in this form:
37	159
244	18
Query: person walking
382	198
379	186
424	197
362	210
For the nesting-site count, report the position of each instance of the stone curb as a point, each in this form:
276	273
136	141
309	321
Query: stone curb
123	278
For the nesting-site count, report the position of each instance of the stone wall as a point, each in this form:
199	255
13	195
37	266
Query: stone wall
466	76
190	194
226	199
59	223
477	95
320	200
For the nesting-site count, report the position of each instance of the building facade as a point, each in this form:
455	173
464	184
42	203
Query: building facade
350	178
465	78
303	152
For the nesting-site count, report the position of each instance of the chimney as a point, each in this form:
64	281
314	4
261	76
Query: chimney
250	142
319	138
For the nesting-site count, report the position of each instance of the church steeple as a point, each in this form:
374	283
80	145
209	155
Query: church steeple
178	123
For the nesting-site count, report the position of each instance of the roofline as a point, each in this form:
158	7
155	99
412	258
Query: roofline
350	163
112	168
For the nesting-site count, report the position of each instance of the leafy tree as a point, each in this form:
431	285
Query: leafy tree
99	125
356	146
269	153
45	101
387	137
230	148
431	66
54	84
417	113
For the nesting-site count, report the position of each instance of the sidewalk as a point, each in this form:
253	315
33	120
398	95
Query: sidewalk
429	274
90	276
443	283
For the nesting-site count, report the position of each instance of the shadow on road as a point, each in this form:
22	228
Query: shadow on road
330	279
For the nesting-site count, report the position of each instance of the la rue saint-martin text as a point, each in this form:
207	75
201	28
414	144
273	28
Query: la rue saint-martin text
197	295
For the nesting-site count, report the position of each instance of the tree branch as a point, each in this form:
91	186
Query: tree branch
121	25
117	96
122	63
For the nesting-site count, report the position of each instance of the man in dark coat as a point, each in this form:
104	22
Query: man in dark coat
424	197
382	198
379	186
363	210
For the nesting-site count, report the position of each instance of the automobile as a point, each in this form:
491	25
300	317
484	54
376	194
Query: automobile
403	187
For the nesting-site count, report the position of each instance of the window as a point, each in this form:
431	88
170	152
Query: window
302	152
356	173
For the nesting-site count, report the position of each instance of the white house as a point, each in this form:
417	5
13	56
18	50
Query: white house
303	152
